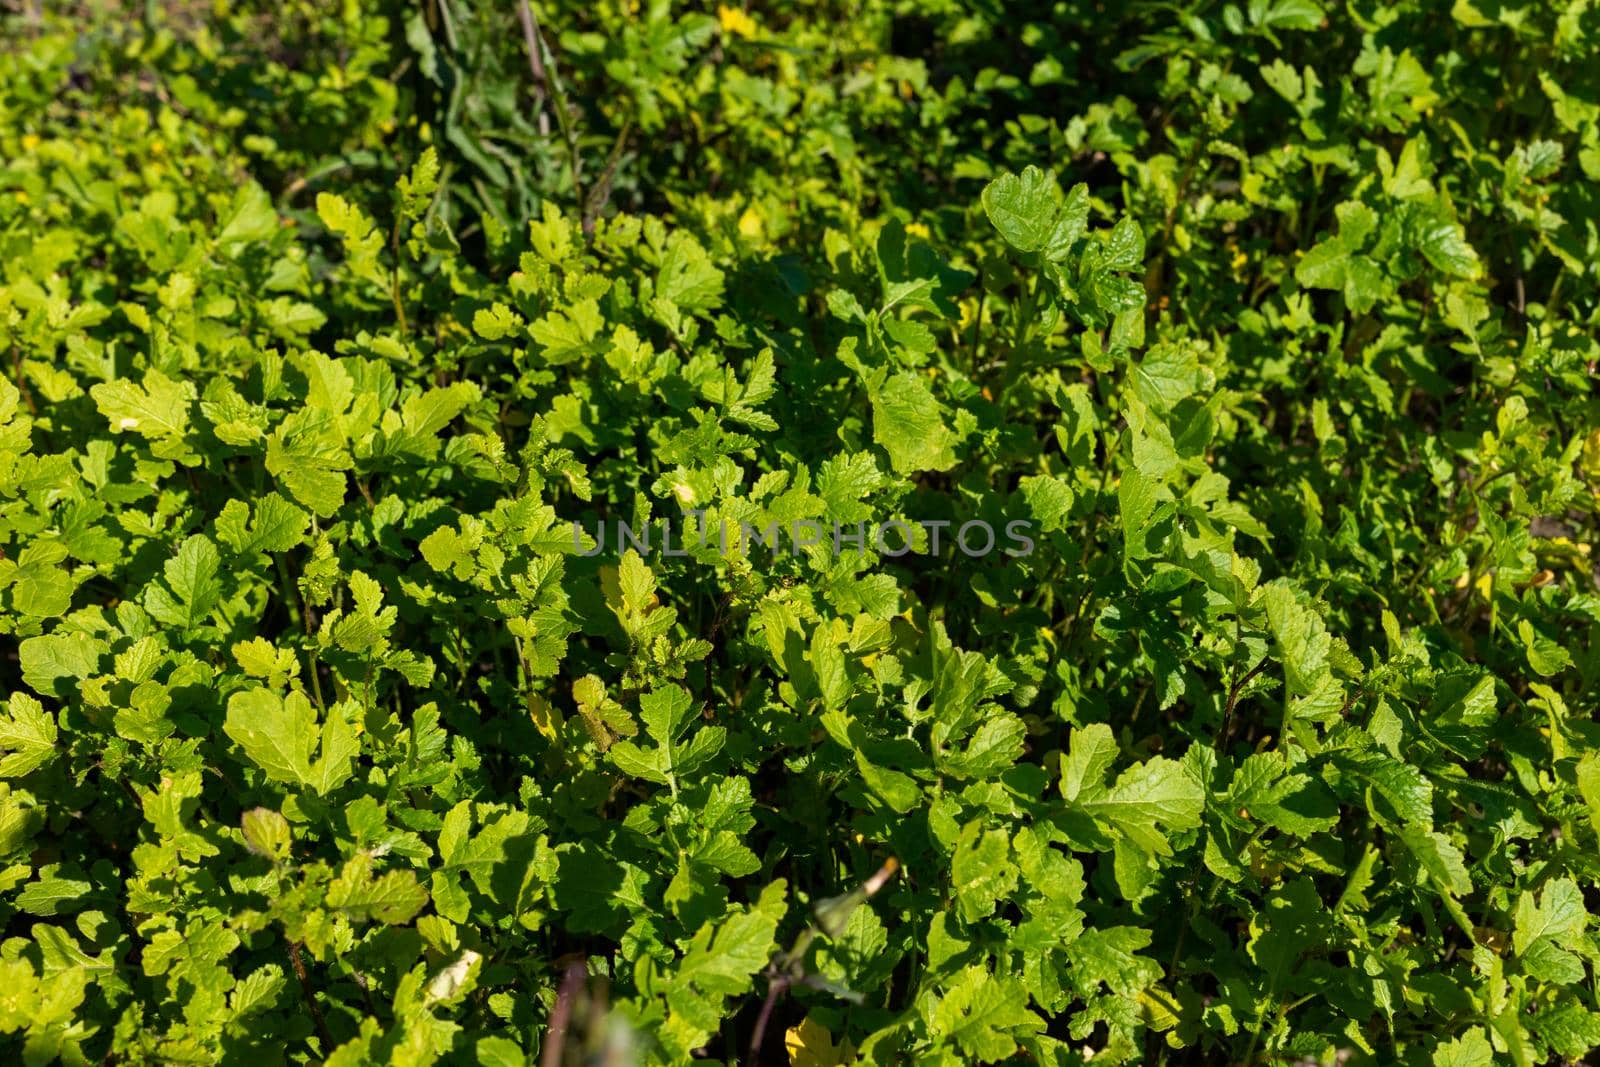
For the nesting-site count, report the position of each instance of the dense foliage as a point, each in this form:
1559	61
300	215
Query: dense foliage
1274	321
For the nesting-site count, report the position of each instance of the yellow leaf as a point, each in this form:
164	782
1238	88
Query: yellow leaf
610	584
545	717
1160	1008
1591	456
810	1045
751	223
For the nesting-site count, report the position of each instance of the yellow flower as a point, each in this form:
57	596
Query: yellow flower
22	197
918	229
1239	260
30	141
735	21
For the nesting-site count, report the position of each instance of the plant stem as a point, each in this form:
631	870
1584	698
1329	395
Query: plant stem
310	997
394	278
543	66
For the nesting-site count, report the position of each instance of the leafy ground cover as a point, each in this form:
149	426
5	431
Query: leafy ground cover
326	739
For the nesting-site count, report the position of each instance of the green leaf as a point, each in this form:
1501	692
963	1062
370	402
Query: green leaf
1167	374
687	277
267	833
1290	15
1023	208
666	713
27	735
425	414
912	426
50	895
156	409
1124	249
984	1015
722	960
1471	1049
192	587
1109	955
1136	502
842	482
250	219
1299	636
567	336
415	190
278	527
636	762
1444	244
52	658
1049	501
393	898
1545	930
496	322
827	661
1148	803
280	735
39	588
1269	792
1441	860
361	240
996	745
1588	772
981	872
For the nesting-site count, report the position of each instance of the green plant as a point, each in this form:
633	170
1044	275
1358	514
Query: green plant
336	338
